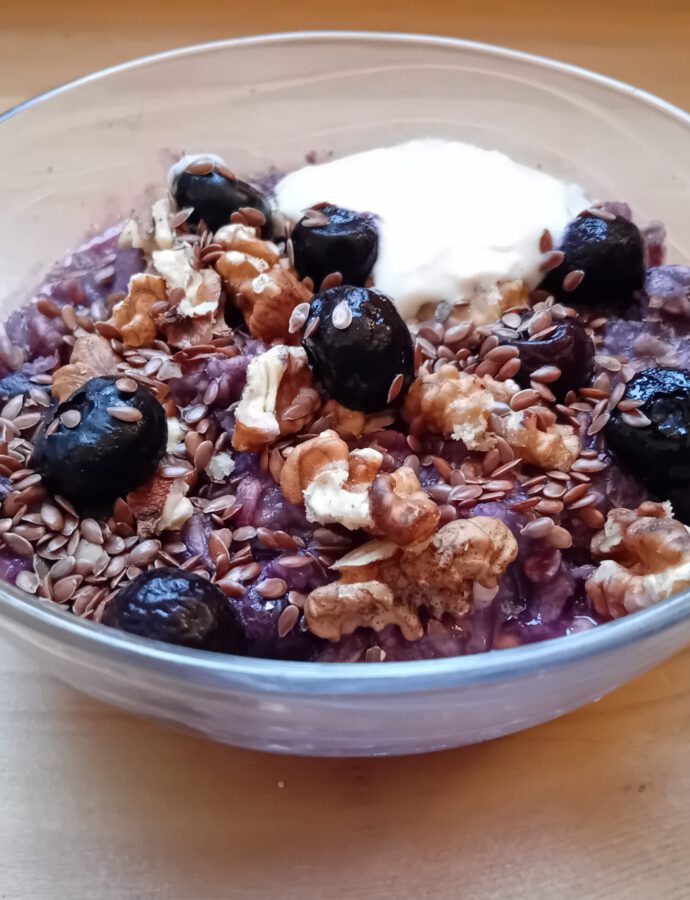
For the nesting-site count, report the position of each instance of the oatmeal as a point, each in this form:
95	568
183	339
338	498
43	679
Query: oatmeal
220	431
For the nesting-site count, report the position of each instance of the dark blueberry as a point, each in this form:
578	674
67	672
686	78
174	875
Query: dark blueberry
93	457
659	453
568	347
357	345
179	608
345	242
215	196
611	255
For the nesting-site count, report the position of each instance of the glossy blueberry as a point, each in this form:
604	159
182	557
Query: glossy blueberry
611	255
358	362
101	457
659	453
215	196
568	347
179	608
346	242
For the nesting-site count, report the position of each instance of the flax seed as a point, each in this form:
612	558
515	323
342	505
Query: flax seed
287	620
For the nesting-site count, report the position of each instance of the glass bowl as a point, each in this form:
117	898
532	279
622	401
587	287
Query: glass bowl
82	156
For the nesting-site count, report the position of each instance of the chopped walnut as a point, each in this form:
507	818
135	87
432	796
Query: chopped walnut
267	302
238	236
153	232
161	213
160	504
556	447
308	459
338	609
646	559
347	422
246	256
454	404
188	331
400	509
338	486
201	288
440	576
491	301
220	467
133	315
464	552
278	398
501	391
236	267
91	356
332	485
177	430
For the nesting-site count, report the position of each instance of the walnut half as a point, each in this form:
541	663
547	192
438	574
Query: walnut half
278	398
646	559
400	509
440	577
455	404
555	447
339	486
267	302
339	609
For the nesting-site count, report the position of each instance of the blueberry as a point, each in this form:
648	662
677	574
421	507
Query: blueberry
93	457
568	347
357	345
659	453
345	242
176	607
215	195
611	255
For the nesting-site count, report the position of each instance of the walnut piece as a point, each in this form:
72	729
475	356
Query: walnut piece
267	302
400	509
646	559
556	447
339	486
188	331
152	232
332	483
308	459
454	404
440	577
133	315
161	213
278	398
347	422
339	609
161	504
236	267
91	356
245	239
201	287
491	301
246	254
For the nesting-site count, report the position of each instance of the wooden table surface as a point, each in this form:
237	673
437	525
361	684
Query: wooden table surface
95	804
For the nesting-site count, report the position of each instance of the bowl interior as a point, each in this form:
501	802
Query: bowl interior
84	157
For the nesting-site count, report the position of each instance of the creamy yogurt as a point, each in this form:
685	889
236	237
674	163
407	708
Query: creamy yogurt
455	221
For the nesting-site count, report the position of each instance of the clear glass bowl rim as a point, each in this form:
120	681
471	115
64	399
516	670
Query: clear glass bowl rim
279	676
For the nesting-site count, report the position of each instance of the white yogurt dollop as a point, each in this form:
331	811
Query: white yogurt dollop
455	220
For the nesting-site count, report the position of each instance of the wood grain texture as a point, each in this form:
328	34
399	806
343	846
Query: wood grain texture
96	804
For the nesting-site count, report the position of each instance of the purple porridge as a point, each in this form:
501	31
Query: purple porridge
205	444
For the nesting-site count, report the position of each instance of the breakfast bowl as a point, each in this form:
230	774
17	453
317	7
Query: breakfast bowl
83	157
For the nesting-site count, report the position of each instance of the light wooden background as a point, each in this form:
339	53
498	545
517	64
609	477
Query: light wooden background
94	804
